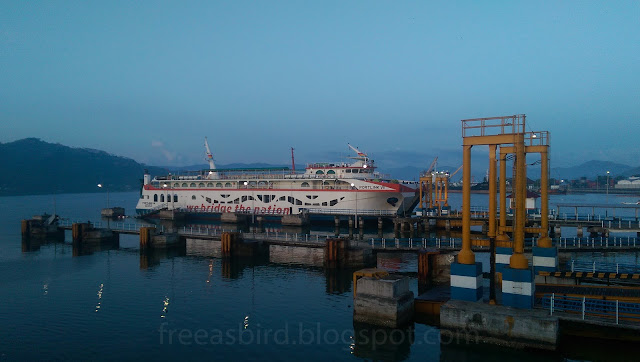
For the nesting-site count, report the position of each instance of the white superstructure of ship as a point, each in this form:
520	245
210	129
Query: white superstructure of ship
354	188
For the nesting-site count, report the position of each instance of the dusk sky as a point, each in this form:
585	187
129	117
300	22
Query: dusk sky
149	79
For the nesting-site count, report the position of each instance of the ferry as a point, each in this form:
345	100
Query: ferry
346	188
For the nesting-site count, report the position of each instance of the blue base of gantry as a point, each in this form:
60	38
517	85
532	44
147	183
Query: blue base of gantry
545	259
518	288
503	255
466	282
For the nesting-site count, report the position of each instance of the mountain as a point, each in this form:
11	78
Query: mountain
32	166
591	170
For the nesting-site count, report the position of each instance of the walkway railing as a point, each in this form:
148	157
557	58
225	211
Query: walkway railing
601	242
359	212
601	267
612	243
584	308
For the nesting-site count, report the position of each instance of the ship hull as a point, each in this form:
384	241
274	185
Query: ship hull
365	199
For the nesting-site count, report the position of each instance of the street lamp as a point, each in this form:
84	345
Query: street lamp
353	186
100	186
607	187
164	186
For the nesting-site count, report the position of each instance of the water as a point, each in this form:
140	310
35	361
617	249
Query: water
115	304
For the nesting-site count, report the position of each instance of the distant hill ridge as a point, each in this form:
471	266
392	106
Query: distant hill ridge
32	166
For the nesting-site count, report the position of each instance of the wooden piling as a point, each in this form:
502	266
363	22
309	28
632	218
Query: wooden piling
77	231
25	226
146	233
423	267
335	250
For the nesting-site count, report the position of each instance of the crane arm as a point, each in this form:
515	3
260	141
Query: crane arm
456	171
433	164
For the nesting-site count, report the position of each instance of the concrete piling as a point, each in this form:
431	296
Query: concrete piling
386	301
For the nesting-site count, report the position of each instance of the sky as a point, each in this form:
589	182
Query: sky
150	79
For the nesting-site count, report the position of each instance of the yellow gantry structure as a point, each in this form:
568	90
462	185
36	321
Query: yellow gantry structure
508	133
434	190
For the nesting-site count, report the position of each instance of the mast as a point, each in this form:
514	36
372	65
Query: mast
293	162
212	165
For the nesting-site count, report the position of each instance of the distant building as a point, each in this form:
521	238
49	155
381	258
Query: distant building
630	183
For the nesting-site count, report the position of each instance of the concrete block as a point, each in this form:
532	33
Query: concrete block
385	302
166	240
501	325
388	287
295	220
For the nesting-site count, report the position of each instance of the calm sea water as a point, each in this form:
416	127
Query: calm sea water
114	304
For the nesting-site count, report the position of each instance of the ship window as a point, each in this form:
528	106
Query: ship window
307	204
228	184
333	202
298	202
201	184
208	199
147	197
262	184
244	198
155	197
184	184
331	172
266	198
209	184
176	185
319	172
175	198
225	196
291	200
324	203
305	184
142	196
347	170
193	184
316	204
161	198
219	184
282	198
259	197
193	197
236	201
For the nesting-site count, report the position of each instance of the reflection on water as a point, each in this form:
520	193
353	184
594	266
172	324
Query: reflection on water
60	301
380	343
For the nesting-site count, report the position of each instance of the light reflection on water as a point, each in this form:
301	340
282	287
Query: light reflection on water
246	309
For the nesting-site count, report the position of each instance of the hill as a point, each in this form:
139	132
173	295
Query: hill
32	166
